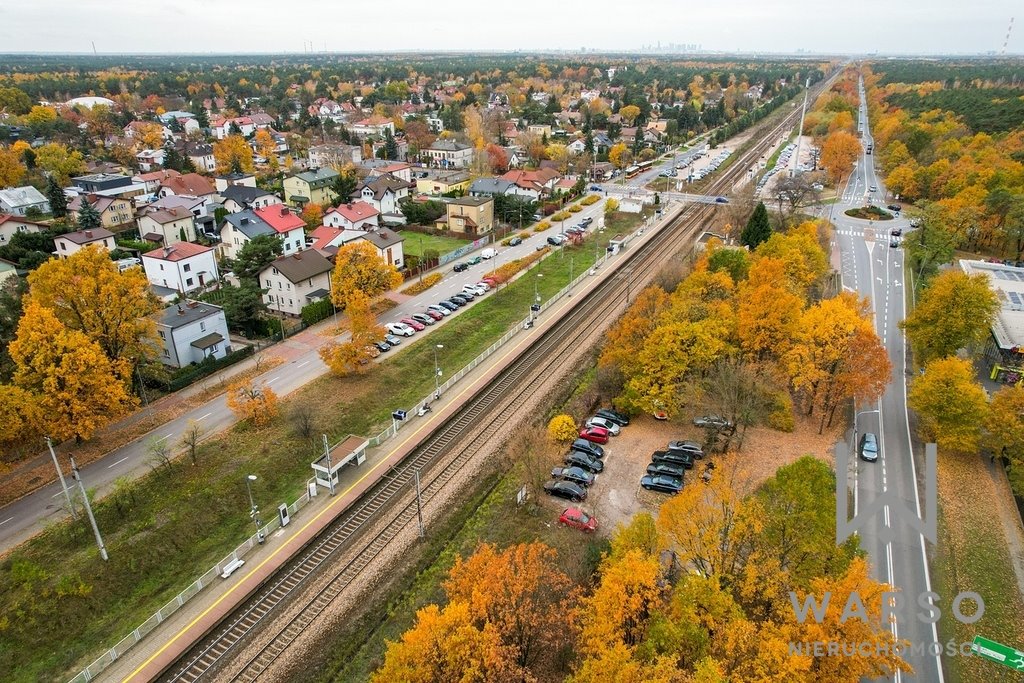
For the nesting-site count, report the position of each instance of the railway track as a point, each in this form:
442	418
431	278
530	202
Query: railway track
479	420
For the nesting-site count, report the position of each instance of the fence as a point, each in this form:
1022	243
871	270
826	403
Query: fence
116	652
462	251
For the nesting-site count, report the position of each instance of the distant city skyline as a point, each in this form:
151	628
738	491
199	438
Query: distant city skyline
259	26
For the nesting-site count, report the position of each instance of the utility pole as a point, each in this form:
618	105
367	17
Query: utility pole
88	510
60	475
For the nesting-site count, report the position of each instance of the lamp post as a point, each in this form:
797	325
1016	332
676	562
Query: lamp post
437	372
597	245
253	510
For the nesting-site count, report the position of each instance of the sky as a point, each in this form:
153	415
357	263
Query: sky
262	26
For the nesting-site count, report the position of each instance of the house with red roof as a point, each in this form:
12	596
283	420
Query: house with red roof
353	216
327	239
289	226
534	183
191	184
183	266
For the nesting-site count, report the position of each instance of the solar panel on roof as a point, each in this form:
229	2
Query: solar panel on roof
1015	297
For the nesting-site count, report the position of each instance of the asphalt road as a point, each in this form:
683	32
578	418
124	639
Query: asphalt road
27	516
873	269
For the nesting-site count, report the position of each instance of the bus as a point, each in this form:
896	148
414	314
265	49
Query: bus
632	171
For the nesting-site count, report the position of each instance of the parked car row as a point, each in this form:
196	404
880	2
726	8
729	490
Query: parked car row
668	467
782	162
585	458
713	166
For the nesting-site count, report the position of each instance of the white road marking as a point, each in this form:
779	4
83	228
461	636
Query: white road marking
6	520
59	493
273	379
117	463
165	437
204	417
304	363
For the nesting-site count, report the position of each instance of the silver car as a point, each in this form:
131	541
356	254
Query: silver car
612	427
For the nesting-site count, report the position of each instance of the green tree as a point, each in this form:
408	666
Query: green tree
244	307
735	262
15	101
758	228
58	200
345	184
390	147
955	311
88	217
255	255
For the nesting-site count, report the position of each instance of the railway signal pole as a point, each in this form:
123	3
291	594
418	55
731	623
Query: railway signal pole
88	511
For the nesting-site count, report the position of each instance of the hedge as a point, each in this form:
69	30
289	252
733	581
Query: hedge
505	272
420	287
317	311
542	226
575	208
192	373
590	199
560	216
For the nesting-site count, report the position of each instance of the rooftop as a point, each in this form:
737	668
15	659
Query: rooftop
1008	284
86	236
302	265
177	252
182	314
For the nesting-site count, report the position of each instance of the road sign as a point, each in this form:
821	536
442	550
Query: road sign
998	653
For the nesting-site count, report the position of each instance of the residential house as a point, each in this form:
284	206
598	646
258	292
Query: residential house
241	197
248	125
183	267
20	200
326	238
296	280
151	181
438	182
435	123
388	244
326	109
602	143
223	182
471	216
352	216
73	242
148	159
190	332
533	184
516	157
238	228
136	128
114	211
491	187
379	147
12	225
333	155
315	185
167	226
191	184
374	126
383	193
197	206
201	156
289	226
449	154
399	169
577	146
541	130
104	182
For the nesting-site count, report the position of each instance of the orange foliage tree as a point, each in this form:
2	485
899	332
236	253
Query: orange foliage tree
257	404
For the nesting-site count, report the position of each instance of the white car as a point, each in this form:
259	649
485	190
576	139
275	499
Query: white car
483	285
612	427
401	329
475	290
439	309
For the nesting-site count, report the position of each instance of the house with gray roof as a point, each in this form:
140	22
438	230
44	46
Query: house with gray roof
18	201
388	244
239	228
238	198
449	154
190	332
313	186
491	187
296	280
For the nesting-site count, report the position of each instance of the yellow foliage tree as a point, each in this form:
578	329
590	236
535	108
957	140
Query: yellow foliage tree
40	115
12	170
629	113
353	355
625	340
955	311
562	429
618	155
74	385
54	158
20	416
1003	431
611	205
768	310
950	404
258	404
150	135
358	266
233	155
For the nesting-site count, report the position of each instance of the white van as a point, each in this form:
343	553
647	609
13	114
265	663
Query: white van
488	253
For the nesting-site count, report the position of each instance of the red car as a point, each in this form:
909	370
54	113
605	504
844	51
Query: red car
414	324
433	314
594	434
578	519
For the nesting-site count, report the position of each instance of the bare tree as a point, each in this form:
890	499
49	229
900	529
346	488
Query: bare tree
190	440
303	421
259	360
537	455
739	390
159	453
794	193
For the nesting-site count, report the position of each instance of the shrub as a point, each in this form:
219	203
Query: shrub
611	205
507	271
420	287
781	416
575	208
560	216
523	235
542	226
317	311
562	429
590	199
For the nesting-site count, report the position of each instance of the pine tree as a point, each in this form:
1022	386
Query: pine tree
390	147
58	200
758	228
172	158
88	217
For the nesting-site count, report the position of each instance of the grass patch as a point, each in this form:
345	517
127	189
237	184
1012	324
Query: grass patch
623	222
870	213
172	525
416	243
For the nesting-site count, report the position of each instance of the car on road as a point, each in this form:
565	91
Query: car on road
565	489
475	260
434	315
894	207
595	434
576	475
578	519
581	459
894	243
449	306
587	447
414	324
691	447
392	339
872	189
400	329
586	222
667	468
713	422
662	483
615	416
604	423
896	232
382	345
595	188
683	458
488	253
459	267
666	174
556	240
423	318
868	447
515	241
721	200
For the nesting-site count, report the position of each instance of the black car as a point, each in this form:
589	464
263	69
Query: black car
459	299
868	447
448	305
896	232
515	241
894	243
588	447
576	475
556	240
565	489
615	416
675	457
895	207
666	468
691	447
382	345
584	460
713	422
459	267
663	483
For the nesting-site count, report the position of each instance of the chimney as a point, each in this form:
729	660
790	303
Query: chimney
88	233
167	252
350	206
284	210
244	221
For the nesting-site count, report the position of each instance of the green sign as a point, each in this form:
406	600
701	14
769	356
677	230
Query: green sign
998	653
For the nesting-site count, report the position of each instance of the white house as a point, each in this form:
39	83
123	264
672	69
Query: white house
238	228
289	226
148	159
167	226
449	154
201	155
12	225
190	332
352	216
332	155
373	126
241	197
296	280
384	192
221	127
72	242
19	200
182	267
197	206
223	182
388	244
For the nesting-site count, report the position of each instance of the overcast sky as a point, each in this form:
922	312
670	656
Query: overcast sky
885	26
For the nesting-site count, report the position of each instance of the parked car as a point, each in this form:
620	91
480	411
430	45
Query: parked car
475	290
895	207
896	232
615	416
488	253
691	447
565	489
449	306
459	267
581	459
662	483
578	519
577	475
868	447
667	468
556	240
382	345
485	285
515	241
423	318
392	339
460	300
587	447
595	434
414	324
400	329
475	260
675	457
586	222
612	427
434	315
714	422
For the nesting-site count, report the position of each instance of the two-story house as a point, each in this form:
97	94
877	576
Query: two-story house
201	156
449	154
438	182
73	242
373	126
352	216
383	193
12	225
113	211
241	197
296	280
533	183
472	216
238	228
289	226
182	267
313	186
388	244
491	187
19	200
152	180
190	332
167	226
191	184
334	155
226	180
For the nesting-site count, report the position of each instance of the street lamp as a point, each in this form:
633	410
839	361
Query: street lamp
597	245
437	373
536	292
253	510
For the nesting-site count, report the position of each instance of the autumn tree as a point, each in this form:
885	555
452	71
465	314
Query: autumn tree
950	404
55	159
358	266
363	328
266	147
955	312
233	155
768	310
619	155
20	415
803	259
12	170
313	215
74	385
735	262
611	205
1003	431
150	135
629	114
739	390
838	153
497	158
249	401
758	228
562	429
